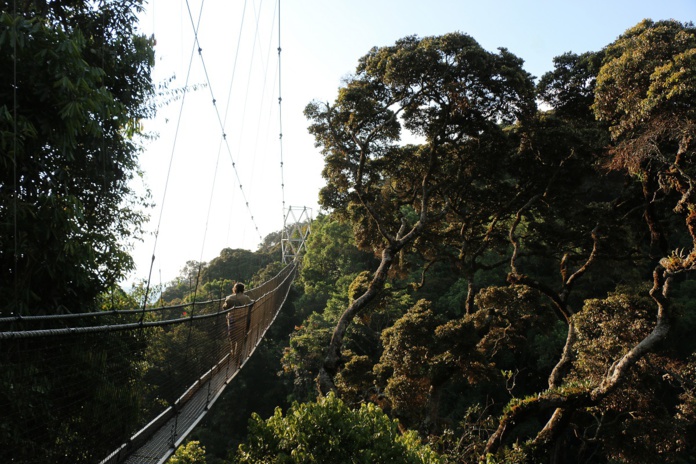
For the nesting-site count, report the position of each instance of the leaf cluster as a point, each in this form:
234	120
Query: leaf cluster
330	431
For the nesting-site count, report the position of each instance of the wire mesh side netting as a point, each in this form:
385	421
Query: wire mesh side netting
128	390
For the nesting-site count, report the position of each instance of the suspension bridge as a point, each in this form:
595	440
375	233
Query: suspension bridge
89	363
128	386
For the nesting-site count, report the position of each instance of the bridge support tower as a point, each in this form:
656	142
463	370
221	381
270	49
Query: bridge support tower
296	229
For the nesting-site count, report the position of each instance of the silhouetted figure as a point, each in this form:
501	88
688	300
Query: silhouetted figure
237	298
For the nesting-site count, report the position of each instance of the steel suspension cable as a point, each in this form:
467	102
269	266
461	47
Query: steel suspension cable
246	96
280	120
14	157
171	160
205	231
217	161
219	118
229	99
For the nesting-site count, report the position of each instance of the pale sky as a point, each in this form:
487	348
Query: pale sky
204	209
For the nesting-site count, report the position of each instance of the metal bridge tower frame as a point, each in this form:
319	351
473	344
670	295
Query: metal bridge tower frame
295	232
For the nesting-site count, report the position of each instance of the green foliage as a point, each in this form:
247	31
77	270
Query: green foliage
75	85
215	280
652	64
265	273
524	193
524	232
237	265
522	330
450	91
190	453
42	381
329	431
178	357
433	369
330	255
303	358
685	317
68	151
569	88
328	272
531	261
645	92
406	363
607	329
218	288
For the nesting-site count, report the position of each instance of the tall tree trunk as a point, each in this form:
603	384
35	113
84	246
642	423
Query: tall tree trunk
325	380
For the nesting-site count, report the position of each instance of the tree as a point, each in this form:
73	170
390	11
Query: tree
329	431
191	453
580	203
76	83
647	103
449	92
644	92
569	88
236	264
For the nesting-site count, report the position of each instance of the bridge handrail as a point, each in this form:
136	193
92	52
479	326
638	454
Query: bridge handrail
13	334
107	328
46	317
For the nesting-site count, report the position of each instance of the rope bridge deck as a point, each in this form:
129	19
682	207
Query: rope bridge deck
131	389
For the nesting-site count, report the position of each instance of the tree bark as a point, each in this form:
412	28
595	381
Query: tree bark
547	439
563	365
329	369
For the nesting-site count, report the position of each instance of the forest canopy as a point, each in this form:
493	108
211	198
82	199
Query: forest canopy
512	286
530	292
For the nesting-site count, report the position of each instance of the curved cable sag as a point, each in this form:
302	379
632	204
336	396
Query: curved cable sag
227	111
258	293
96	314
222	127
171	160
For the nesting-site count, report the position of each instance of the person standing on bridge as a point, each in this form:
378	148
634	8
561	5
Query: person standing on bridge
237	298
